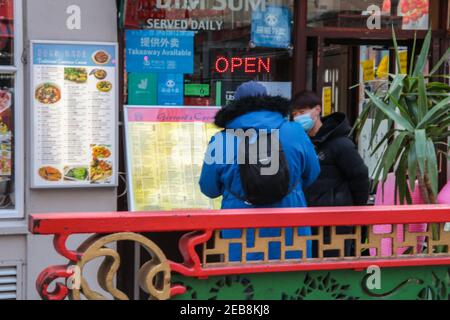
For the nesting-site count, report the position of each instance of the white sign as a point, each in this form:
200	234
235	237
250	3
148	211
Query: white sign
74	94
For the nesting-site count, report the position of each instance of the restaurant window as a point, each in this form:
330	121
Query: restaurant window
11	112
233	42
402	14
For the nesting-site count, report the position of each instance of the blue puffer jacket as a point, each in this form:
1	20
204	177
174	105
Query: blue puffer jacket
218	179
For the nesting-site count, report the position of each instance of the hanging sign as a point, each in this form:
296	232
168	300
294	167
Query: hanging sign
272	27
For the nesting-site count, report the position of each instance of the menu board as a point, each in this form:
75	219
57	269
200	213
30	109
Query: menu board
6	125
165	152
74	94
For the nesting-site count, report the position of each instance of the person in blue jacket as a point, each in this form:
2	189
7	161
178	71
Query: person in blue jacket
254	108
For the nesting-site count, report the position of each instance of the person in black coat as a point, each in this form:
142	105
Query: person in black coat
344	178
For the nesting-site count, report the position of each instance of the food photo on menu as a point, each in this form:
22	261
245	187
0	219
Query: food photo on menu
101	167
6	122
48	93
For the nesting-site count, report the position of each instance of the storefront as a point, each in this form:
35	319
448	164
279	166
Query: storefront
289	46
206	48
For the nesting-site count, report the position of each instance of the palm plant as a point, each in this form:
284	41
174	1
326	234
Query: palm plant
416	107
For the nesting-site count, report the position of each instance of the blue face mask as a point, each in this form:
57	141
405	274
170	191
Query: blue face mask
306	121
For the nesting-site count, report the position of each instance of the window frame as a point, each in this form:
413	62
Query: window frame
17	71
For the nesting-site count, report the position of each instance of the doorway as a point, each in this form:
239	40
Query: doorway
341	65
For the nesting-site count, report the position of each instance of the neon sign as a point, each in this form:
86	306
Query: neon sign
246	65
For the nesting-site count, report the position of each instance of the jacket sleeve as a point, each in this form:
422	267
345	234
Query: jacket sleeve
311	165
354	170
210	182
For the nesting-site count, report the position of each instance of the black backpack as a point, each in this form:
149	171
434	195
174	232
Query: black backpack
261	182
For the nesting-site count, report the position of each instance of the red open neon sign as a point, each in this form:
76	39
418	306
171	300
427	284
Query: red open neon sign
247	65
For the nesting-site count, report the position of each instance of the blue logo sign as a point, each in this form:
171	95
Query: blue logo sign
160	51
170	89
272	28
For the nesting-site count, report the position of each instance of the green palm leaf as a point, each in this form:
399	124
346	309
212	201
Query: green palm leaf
444	58
421	148
423	56
412	166
417	108
440	109
423	99
394	116
432	168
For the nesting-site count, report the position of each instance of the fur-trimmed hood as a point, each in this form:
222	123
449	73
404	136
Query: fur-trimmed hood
278	106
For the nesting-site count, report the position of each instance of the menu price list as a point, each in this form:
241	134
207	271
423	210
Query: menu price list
74	120
166	160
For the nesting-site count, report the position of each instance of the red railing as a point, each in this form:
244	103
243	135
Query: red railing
203	228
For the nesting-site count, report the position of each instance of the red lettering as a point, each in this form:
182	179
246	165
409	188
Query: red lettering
261	65
236	63
223	60
250	63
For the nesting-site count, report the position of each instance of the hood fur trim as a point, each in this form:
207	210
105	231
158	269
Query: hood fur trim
251	104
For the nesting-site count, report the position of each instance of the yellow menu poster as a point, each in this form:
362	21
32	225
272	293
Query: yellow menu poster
368	70
403	62
327	98
383	68
165	151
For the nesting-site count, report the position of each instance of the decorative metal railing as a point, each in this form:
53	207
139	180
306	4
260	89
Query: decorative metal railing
233	246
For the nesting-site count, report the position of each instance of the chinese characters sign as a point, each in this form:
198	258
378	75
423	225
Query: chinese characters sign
74	102
160	51
165	150
272	28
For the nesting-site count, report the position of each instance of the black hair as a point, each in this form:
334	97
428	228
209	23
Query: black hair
305	100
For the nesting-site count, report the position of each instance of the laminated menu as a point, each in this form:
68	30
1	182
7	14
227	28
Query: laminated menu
165	151
6	125
74	103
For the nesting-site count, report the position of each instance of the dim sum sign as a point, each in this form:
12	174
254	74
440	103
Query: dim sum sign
233	5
